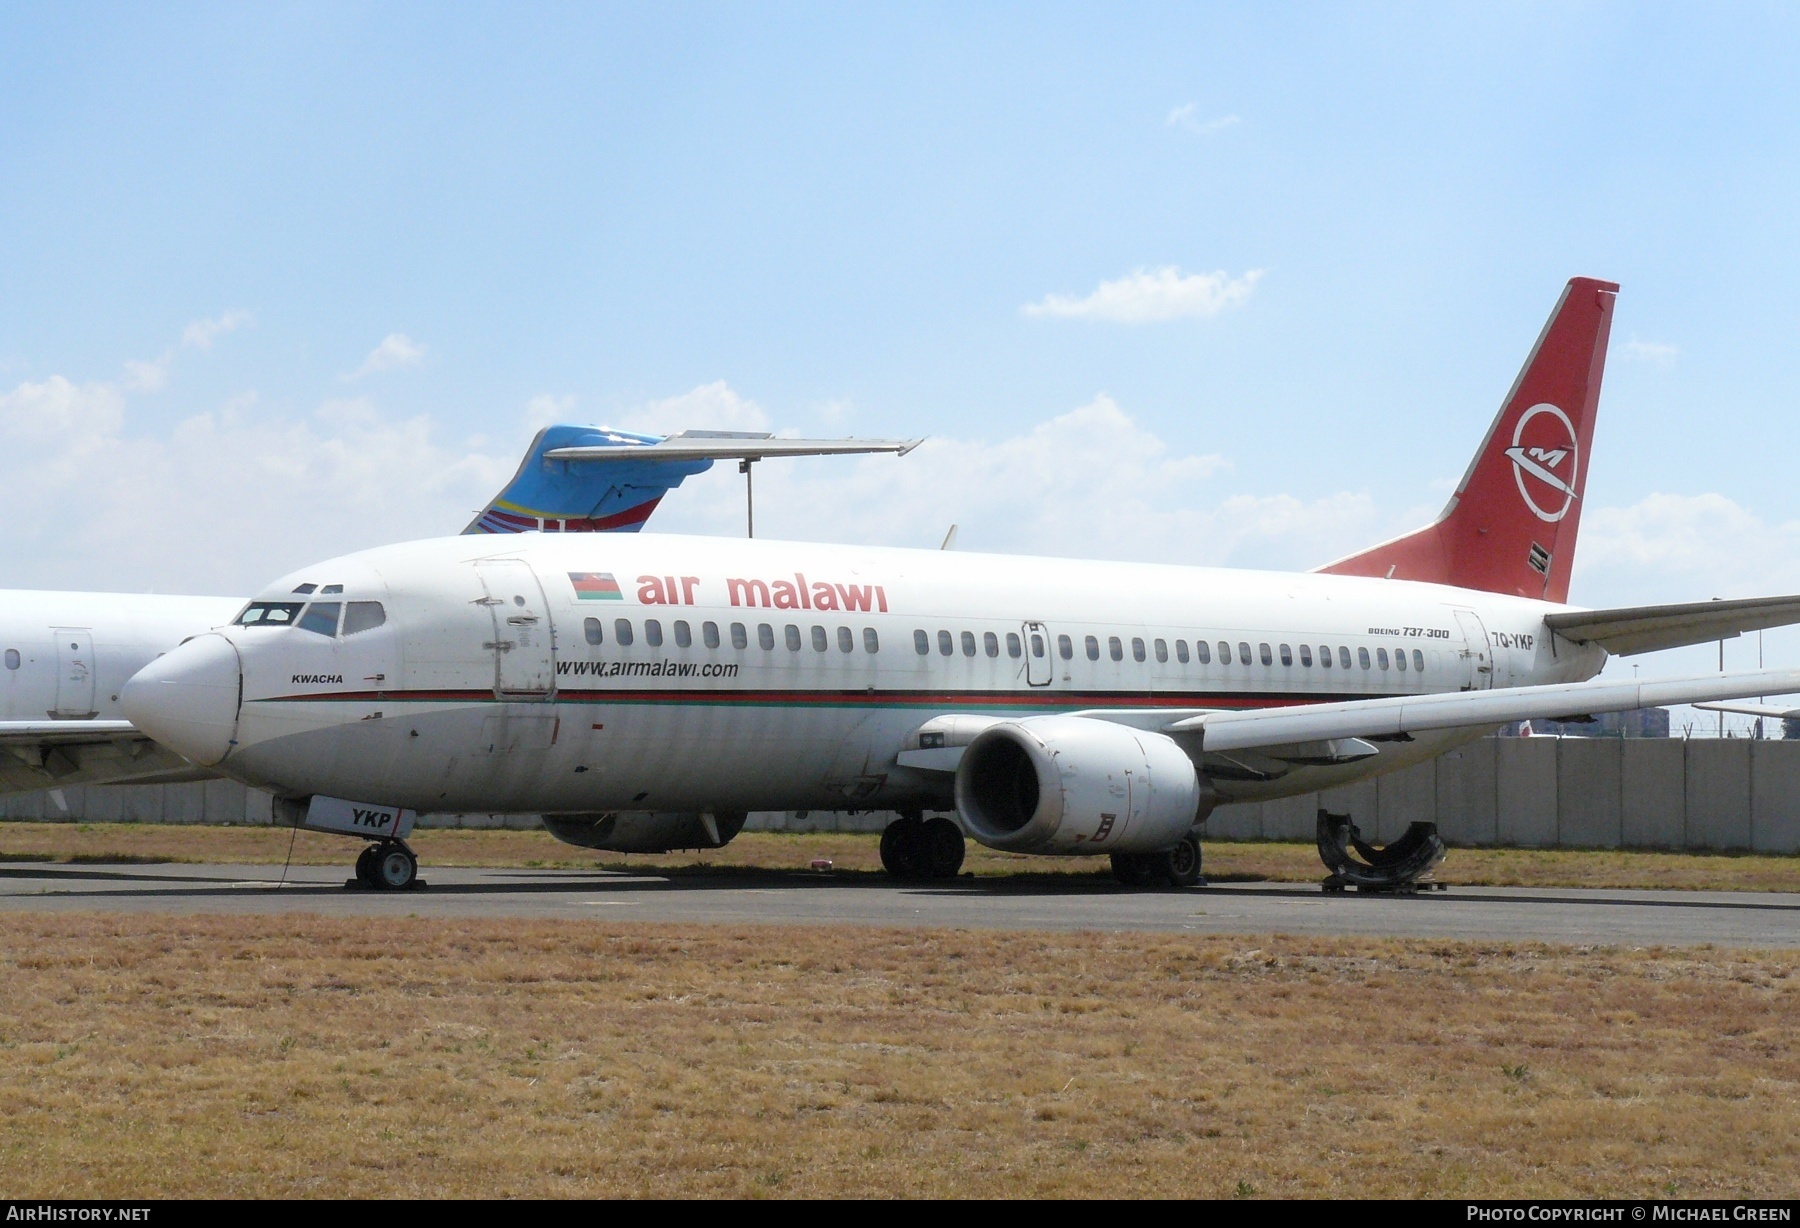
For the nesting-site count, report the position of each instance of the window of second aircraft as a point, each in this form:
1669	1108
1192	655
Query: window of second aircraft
1267	659
765	637
1344	657
922	642
12	658
1137	649
653	633
1065	647
871	641
1015	649
740	636
1162	650
1093	648
709	634
1287	655
591	632
622	631
820	640
791	634
946	644
1115	648
1203	652
846	640
968	643
990	643
1306	655
684	635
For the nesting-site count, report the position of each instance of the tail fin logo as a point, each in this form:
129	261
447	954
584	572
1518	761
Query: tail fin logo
1543	443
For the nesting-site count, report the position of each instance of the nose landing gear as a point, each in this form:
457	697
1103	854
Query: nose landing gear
388	865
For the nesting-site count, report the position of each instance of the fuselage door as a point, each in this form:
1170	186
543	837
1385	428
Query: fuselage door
1477	654
523	644
1039	666
74	673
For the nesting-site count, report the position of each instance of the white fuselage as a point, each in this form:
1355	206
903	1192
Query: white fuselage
736	675
66	656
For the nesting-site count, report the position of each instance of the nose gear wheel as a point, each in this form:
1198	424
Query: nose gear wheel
1396	868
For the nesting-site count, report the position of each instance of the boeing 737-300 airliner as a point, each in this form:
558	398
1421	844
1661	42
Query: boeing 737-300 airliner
646	692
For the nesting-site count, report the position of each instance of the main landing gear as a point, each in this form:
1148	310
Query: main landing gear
913	849
1396	868
1178	867
388	865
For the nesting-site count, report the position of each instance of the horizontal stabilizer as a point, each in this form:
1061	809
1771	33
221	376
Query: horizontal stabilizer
701	445
1376	718
1626	632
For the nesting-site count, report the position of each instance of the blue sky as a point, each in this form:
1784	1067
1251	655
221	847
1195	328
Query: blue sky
833	219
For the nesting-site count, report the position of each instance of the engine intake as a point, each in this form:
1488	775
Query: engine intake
1074	785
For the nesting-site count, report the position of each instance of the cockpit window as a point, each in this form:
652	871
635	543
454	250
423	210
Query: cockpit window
304	589
269	613
321	617
362	615
331	588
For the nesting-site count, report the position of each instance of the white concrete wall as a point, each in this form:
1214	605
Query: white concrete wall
1522	792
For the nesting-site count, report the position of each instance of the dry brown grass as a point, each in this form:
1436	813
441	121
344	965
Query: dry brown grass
1226	861
261	1056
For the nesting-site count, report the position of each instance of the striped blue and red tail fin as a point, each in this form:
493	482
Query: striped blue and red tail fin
615	495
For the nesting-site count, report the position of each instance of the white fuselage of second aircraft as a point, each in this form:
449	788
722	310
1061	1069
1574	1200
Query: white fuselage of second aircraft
572	674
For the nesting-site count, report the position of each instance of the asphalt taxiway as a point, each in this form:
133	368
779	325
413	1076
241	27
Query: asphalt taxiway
1626	918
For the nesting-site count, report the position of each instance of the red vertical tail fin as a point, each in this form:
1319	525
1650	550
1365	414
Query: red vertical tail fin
1510	527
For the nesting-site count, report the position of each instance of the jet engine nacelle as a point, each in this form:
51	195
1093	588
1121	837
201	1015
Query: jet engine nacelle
1073	784
646	831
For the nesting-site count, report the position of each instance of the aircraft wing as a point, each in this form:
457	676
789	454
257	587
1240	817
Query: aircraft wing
1406	714
1647	628
1773	712
52	754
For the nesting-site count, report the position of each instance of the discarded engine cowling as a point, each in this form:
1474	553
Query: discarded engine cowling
647	831
1397	867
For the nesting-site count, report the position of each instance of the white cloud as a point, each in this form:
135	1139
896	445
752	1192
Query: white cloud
202	333
1654	352
547	409
1088	483
1188	117
396	350
710	407
1685	548
1148	296
149	376
58	410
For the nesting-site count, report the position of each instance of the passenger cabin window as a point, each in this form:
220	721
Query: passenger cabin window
1344	657
363	616
1137	649
1114	648
1325	656
990	643
1181	651
1267	658
1287	655
820	640
1399	658
1039	646
871	641
846	640
1306	656
922	642
321	617
1015	649
765	637
1203	651
590	630
946	645
709	634
270	613
791	634
740	637
1093	648
684	635
1162	650
12	658
653	633
968	643
1381	657
1362	657
1418	660
1065	647
622	632
1225	653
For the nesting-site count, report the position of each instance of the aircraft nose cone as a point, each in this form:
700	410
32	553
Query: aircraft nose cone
188	699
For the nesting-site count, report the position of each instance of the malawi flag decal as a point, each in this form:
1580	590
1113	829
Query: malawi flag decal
595	586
